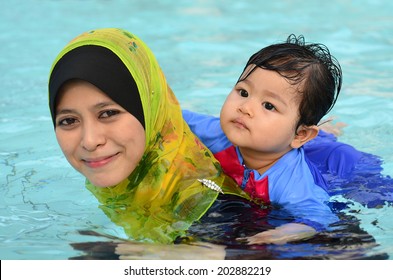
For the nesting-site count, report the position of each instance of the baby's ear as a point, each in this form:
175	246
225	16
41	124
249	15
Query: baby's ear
303	135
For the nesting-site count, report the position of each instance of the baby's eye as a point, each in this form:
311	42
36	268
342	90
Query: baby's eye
66	122
109	113
268	106
243	93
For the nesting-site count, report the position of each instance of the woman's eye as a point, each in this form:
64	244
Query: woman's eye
243	93
66	122
268	106
109	113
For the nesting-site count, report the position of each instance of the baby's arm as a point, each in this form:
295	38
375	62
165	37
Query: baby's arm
283	234
208	130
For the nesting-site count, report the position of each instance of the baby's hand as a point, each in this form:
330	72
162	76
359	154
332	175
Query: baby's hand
281	235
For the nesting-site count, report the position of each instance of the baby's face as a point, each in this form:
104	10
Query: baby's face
261	113
98	137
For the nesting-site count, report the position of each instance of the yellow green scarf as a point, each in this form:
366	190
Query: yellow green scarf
162	197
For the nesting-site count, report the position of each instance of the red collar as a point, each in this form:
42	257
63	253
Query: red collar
230	164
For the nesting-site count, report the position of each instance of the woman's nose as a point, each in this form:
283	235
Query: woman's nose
92	137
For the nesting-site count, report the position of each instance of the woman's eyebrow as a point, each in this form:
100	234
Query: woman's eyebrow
99	105
104	104
64	111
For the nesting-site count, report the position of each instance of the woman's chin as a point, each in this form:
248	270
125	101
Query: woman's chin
103	183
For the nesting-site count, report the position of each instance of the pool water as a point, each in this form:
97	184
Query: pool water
202	46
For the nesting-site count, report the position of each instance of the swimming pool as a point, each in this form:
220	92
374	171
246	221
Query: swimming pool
202	47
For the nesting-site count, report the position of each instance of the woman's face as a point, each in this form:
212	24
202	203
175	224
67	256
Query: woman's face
98	137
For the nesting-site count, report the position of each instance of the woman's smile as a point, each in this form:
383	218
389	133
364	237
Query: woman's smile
100	161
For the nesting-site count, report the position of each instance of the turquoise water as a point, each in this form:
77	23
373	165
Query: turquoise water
202	47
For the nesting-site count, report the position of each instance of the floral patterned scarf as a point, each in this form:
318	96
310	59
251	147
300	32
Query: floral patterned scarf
162	197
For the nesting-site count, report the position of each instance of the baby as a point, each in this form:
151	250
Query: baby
271	113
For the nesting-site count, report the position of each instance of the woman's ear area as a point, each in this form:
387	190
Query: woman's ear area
303	135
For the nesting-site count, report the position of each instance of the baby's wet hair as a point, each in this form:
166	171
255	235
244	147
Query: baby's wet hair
310	66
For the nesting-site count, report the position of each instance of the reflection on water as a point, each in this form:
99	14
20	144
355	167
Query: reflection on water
215	238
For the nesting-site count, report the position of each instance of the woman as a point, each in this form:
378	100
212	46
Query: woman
119	124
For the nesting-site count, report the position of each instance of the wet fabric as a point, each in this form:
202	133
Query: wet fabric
162	197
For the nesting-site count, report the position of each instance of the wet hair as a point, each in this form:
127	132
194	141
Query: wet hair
310	66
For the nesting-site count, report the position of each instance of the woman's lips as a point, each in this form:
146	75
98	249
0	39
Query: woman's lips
100	161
